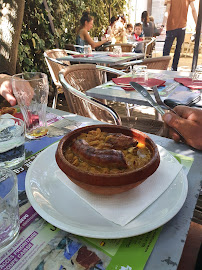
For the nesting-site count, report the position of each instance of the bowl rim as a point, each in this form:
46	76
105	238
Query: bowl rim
91	127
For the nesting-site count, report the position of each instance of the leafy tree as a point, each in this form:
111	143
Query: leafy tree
11	16
36	36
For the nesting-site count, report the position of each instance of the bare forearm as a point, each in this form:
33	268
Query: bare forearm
167	13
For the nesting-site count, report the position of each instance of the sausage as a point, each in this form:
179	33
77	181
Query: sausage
121	141
101	157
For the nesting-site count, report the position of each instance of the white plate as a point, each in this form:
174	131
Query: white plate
65	210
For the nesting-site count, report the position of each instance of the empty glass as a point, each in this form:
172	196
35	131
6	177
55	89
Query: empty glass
117	50
12	139
31	91
9	208
139	74
197	75
87	49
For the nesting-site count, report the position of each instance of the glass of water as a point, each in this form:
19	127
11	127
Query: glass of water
12	139
140	74
9	208
197	75
31	91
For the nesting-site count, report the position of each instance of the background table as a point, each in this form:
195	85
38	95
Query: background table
133	97
104	58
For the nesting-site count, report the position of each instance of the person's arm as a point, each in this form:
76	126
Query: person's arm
188	122
166	14
194	14
90	41
6	89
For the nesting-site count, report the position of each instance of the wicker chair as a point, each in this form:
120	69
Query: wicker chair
54	67
77	79
124	47
149	46
160	63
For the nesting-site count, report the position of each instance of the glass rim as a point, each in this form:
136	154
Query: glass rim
15	118
17	76
7	170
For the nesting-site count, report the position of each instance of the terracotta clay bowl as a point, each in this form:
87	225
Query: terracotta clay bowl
107	184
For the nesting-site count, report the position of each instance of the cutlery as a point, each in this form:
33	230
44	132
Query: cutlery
147	96
159	101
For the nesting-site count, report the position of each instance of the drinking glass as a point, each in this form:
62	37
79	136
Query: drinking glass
197	75
139	74
117	50
9	208
87	49
12	138
31	91
95	39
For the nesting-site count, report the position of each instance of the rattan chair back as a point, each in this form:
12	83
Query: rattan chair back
72	80
156	62
54	68
124	47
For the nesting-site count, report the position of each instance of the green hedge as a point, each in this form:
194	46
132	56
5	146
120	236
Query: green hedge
36	36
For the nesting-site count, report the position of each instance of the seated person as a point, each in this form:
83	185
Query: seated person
148	26
156	30
112	23
129	29
138	36
83	38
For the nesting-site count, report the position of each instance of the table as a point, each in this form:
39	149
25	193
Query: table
168	248
104	58
132	97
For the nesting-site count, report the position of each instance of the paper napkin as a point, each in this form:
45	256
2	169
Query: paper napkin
193	85
126	80
124	207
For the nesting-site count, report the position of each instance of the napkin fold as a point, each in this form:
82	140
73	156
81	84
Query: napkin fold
123	208
193	85
126	80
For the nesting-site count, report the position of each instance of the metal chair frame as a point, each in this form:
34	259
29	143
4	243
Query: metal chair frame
97	104
54	74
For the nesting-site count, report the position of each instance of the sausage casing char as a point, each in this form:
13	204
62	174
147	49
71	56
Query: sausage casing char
101	157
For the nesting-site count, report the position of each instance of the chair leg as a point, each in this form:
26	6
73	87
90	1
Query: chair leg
127	110
55	99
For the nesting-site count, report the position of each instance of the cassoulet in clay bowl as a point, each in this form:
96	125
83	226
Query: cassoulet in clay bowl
107	159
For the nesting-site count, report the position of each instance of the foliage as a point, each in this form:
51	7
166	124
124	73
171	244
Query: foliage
36	35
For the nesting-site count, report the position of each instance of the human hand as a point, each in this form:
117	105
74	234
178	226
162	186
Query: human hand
188	122
6	91
108	38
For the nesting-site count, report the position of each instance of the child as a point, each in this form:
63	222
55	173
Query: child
138	36
138	32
